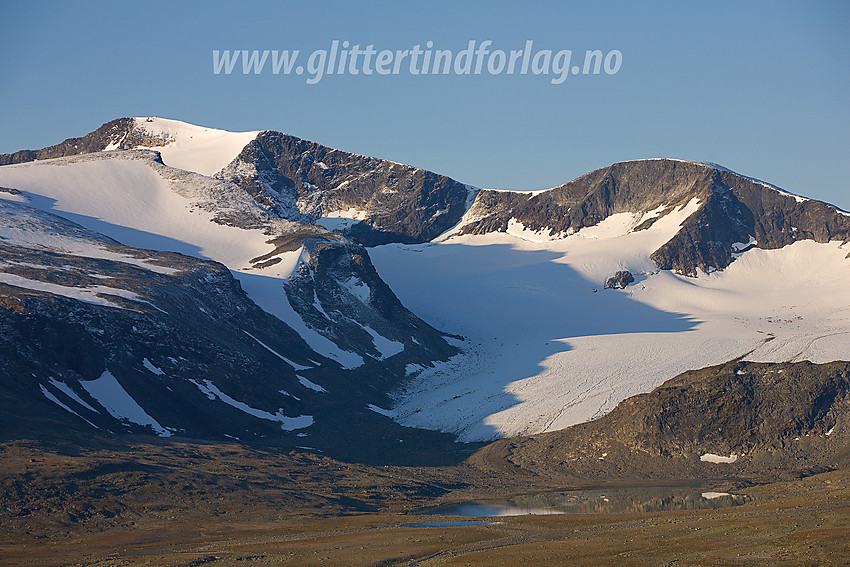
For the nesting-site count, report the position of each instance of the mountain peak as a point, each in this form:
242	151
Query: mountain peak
733	210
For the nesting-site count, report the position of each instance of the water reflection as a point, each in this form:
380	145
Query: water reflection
609	500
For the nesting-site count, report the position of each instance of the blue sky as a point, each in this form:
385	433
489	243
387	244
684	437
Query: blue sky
760	87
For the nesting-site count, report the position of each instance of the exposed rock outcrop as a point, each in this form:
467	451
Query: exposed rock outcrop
620	280
747	418
111	134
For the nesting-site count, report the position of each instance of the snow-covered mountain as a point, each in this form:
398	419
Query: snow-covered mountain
722	267
184	146
302	331
374	200
728	211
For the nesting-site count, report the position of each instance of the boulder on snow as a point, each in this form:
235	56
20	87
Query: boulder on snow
620	280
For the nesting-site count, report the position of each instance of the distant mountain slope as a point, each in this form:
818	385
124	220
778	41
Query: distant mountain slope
134	197
376	201
186	146
110	135
127	339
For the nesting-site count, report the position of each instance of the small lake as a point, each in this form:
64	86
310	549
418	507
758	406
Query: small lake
607	500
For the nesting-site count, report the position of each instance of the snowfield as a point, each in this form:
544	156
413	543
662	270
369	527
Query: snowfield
140	203
194	148
128	200
547	347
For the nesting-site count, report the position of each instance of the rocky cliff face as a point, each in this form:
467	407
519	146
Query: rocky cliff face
338	293
397	203
738	418
734	210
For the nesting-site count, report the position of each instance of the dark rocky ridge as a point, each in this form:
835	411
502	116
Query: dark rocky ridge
332	276
111	133
620	280
785	416
295	176
732	208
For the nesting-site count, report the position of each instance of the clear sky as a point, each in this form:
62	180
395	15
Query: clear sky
760	87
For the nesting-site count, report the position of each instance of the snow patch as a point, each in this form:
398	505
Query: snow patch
467	217
342	219
295	365
385	346
337	224
89	294
114	398
349	213
310	385
739	248
382	411
714	495
712	458
286	423
147	364
56	401
65	389
358	288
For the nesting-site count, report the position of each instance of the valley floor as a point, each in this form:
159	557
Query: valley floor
199	504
